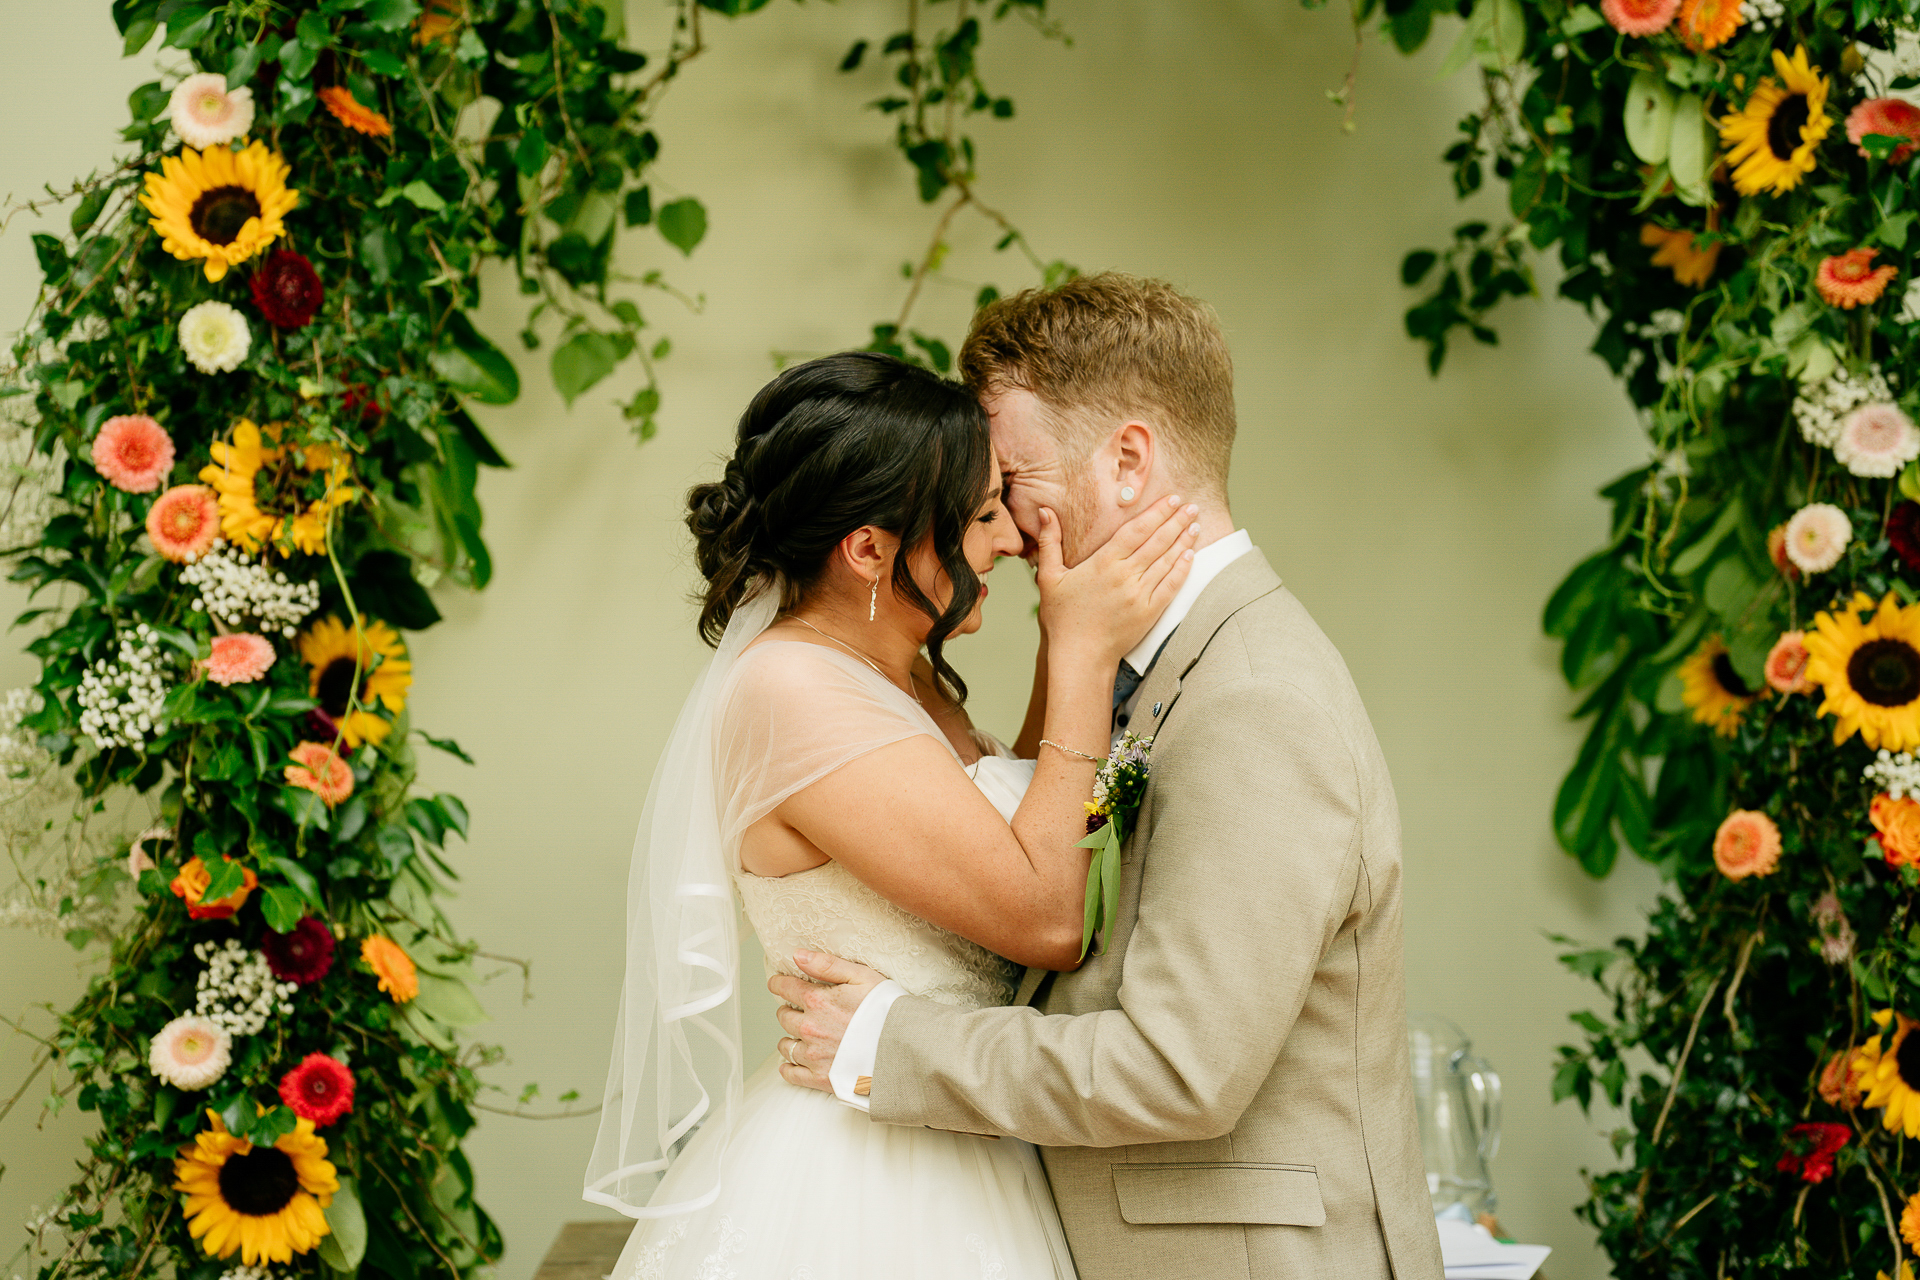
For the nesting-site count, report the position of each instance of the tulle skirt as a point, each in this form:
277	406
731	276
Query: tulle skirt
814	1190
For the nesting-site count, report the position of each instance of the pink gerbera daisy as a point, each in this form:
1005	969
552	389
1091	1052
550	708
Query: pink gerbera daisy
320	770
133	452
184	521
1877	440
1888	117
1640	17
238	659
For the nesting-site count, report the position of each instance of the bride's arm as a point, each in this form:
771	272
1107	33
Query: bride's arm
1034	728
913	827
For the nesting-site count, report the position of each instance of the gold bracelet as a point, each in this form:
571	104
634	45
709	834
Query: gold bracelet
1045	742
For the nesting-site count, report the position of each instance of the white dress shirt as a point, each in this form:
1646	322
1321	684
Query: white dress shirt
860	1046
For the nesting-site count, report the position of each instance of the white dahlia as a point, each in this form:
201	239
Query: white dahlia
190	1052
1817	537
215	337
1876	440
205	113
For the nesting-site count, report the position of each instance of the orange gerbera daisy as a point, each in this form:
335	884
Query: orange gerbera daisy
394	967
1675	249
348	111
320	770
1848	280
1704	24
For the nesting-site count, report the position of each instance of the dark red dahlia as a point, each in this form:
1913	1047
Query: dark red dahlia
359	398
286	289
1810	1150
320	1089
1903	531
303	954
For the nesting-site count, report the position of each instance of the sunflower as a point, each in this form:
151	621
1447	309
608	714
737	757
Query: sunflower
1715	691
220	205
1771	141
1891	1074
1870	671
236	472
332	651
265	1202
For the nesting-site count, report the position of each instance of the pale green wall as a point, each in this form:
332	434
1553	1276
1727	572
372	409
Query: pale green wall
1422	522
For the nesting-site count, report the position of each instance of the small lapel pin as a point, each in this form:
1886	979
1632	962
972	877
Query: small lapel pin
1156	708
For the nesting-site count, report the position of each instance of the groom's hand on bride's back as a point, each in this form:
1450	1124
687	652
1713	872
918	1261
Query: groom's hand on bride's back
815	1014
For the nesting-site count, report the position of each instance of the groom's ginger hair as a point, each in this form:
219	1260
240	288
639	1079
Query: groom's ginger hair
1101	349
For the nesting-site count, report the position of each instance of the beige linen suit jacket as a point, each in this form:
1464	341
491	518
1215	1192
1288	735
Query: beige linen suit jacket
1225	1090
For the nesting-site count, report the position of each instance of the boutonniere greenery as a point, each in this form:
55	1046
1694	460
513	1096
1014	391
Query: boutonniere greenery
1118	788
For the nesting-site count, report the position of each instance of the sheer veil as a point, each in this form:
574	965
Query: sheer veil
676	1048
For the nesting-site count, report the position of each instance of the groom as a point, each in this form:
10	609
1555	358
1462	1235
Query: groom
1224	1090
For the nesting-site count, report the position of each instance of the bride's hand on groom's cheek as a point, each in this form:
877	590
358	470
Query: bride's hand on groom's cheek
815	1014
1098	609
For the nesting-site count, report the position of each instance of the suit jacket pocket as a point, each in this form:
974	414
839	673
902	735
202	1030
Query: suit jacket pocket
1277	1195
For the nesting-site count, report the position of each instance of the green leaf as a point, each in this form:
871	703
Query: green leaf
1695	556
384	586
421	195
1415	266
282	907
1648	117
395	844
683	223
241	69
449	746
448	1001
454	812
299	876
639	206
389	15
345	1243
531	155
384	62
471	364
584	359
1693	149
224	880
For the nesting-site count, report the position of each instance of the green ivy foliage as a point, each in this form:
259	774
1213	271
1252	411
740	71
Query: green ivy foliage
1721	1020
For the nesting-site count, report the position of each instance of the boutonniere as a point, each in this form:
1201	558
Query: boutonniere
1118	787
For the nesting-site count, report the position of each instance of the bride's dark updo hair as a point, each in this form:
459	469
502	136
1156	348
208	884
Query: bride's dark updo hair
831	445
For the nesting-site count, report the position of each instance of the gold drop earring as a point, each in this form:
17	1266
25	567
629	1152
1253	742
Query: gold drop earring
873	598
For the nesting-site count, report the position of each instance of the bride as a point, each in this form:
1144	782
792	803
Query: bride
825	766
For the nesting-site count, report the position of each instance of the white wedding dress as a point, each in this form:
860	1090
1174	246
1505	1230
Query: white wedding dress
813	1189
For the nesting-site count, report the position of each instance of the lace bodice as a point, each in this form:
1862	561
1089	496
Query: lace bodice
827	909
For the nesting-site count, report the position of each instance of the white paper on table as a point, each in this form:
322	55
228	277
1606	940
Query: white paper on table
1469	1252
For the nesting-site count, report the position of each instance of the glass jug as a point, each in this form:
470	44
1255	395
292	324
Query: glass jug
1457	1097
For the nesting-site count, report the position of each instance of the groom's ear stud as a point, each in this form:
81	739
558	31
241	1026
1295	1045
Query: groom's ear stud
1127	494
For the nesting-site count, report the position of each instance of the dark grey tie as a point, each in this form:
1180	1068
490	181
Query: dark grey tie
1128	681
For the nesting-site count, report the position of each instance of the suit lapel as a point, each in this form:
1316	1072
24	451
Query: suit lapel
1239	584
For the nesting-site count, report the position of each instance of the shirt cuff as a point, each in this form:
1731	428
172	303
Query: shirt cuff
860	1046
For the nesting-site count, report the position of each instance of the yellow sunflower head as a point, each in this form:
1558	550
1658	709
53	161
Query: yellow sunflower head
333	653
1770	142
1888	1068
218	205
1713	689
1870	670
272	494
263	1202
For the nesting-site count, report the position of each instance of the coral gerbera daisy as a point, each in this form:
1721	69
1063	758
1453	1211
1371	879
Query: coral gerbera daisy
1870	670
241	658
1707	24
334	653
1675	249
1848	280
133	452
183	522
318	768
1639	17
235	473
1889	118
1747	844
1890	1073
1786	669
320	1089
1715	691
350	112
219	206
1910	1223
1771	141
394	967
1840	1082
303	954
264	1203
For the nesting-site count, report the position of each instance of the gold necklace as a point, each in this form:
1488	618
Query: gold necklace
863	657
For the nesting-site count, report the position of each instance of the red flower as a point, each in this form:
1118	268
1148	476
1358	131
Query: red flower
303	954
1903	531
320	1089
286	289
360	399
1810	1149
